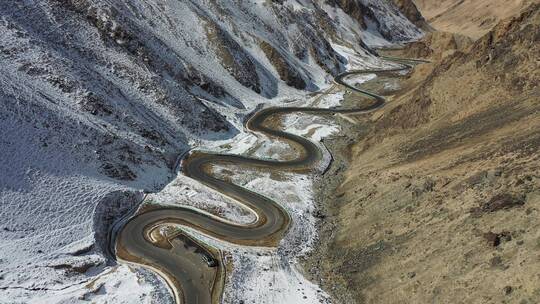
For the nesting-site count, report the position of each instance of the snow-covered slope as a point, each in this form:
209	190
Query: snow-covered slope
99	97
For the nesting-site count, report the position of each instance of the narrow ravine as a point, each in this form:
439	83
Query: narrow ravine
194	271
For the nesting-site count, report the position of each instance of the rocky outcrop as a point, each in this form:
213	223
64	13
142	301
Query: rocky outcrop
232	56
112	209
410	10
356	9
285	70
437	45
375	14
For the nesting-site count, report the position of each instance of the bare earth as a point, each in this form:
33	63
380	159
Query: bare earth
440	201
472	18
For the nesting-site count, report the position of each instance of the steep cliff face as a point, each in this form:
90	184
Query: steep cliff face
98	96
379	16
410	10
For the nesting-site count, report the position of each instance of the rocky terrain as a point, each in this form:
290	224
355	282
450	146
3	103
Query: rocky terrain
99	98
472	18
411	11
441	199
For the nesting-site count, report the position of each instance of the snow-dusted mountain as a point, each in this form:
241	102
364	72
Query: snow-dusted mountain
101	96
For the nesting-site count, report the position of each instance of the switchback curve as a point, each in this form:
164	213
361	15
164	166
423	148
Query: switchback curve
181	260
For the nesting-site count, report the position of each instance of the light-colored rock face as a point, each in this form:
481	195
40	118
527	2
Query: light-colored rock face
99	95
472	18
437	45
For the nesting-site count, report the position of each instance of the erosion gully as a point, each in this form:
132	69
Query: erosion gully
195	271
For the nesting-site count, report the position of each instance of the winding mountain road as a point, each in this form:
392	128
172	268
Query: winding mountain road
188	265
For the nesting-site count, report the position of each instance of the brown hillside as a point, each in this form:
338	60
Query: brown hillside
472	18
441	202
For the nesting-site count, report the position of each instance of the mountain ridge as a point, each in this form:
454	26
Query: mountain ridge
100	97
